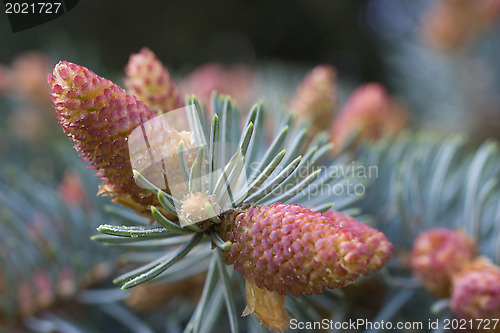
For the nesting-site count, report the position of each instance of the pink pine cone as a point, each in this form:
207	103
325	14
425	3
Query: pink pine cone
150	81
376	241
99	116
369	111
316	98
451	25
476	293
437	255
290	249
237	81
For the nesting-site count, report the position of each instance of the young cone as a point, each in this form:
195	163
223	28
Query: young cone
452	24
377	243
437	254
316	98
370	113
150	81
99	116
237	81
476	295
290	249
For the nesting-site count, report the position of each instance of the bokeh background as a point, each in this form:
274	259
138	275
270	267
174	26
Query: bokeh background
441	62
438	58
189	33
